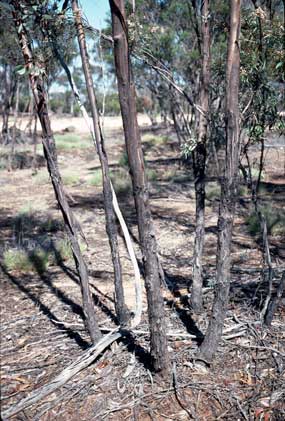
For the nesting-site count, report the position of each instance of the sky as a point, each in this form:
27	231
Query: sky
95	11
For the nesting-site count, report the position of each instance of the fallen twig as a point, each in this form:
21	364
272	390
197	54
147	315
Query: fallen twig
82	362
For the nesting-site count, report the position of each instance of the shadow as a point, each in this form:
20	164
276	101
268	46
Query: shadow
44	309
182	309
102	294
74	277
22	160
134	347
276	188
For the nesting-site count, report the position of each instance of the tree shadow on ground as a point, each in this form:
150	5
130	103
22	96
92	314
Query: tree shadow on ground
182	309
74	277
25	289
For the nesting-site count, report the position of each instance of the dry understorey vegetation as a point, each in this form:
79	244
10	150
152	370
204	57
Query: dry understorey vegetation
42	331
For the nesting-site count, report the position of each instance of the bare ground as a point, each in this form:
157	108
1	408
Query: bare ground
41	316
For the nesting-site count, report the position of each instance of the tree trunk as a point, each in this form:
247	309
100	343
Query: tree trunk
49	147
200	163
14	130
111	226
275	301
9	91
228	191
127	98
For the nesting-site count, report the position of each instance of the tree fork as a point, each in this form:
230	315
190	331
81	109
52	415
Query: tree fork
49	147
228	191
111	226
158	339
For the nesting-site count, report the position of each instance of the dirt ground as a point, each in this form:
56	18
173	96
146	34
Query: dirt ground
42	331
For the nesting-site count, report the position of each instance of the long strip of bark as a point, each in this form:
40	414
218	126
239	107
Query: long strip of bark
78	365
228	191
127	98
200	163
49	147
111	226
137	278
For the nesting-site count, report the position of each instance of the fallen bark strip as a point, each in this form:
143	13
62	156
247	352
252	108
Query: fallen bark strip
78	365
85	361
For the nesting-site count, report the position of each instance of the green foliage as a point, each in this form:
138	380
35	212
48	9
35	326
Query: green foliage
275	220
67	142
26	261
188	147
213	191
63	250
41	178
95	179
123	160
17	259
121	182
70	179
151	175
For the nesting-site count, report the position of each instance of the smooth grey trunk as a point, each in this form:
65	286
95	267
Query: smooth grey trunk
127	98
200	155
111	226
49	147
228	191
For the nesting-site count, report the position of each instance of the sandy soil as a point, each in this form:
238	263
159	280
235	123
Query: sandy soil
41	316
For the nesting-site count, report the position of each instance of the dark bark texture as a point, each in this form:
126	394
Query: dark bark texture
127	98
111	226
228	191
39	93
275	302
200	155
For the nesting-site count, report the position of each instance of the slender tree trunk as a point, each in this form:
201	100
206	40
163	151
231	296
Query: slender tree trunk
228	191
35	143
111	226
274	302
14	130
39	94
9	91
200	163
127	98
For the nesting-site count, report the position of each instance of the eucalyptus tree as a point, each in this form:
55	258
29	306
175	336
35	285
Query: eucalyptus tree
27	17
107	189
228	189
127	98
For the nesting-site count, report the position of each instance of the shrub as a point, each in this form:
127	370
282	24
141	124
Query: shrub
41	178
95	179
70	179
123	160
71	141
275	220
63	250
213	191
121	182
151	175
26	261
17	259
